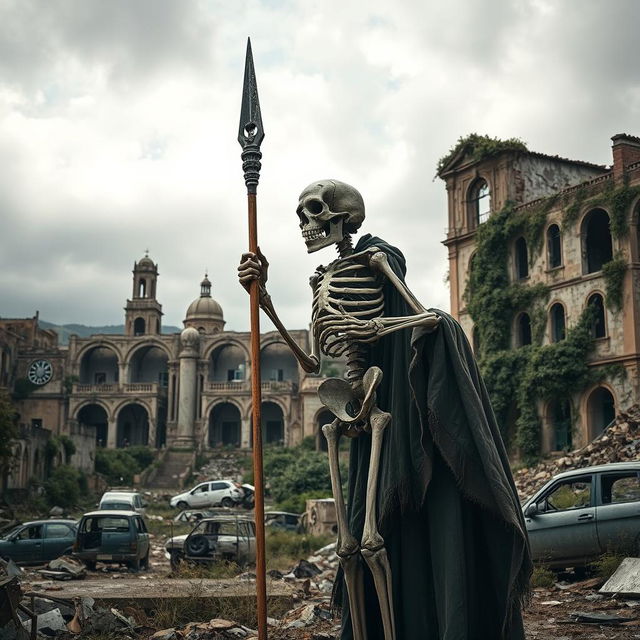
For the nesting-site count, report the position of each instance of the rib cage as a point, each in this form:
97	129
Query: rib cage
345	287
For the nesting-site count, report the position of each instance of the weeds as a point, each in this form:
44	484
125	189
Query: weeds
542	577
607	564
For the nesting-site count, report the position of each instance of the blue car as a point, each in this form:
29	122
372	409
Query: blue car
39	541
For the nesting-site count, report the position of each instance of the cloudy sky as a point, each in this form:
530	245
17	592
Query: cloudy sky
118	126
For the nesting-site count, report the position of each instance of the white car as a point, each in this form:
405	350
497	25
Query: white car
123	501
209	494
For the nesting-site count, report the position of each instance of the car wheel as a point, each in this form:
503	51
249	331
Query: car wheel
197	545
134	564
145	564
175	560
182	505
227	502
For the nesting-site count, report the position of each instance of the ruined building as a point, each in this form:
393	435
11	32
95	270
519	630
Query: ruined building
533	241
188	390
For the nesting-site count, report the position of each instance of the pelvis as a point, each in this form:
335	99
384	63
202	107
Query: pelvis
346	404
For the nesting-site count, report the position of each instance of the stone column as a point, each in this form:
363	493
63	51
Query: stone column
245	432
112	429
190	341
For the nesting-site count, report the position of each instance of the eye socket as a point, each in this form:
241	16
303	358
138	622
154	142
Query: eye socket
314	206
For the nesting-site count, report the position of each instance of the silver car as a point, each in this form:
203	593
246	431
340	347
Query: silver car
218	538
580	514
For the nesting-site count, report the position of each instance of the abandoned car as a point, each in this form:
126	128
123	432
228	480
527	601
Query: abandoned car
210	494
39	541
123	501
112	537
231	538
282	520
580	514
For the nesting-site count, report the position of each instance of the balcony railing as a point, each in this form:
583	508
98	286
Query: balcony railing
239	386
115	387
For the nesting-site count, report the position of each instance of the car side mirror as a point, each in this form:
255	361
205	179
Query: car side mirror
532	510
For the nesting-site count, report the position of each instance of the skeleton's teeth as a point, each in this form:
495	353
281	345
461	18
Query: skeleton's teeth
313	234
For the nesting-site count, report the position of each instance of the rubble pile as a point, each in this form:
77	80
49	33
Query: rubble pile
620	442
225	466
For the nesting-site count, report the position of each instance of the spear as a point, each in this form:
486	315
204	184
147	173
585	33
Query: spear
250	136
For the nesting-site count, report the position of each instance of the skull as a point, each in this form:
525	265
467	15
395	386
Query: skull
328	210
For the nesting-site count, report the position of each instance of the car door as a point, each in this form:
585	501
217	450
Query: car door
58	538
27	545
199	497
219	490
142	537
618	510
565	525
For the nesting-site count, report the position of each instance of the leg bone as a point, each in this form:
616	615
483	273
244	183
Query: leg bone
373	551
347	547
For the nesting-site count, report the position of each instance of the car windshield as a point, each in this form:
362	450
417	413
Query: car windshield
11	532
105	523
118	506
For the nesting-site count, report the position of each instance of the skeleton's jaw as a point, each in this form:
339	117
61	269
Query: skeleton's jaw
319	237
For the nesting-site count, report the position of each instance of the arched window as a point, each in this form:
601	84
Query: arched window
479	202
554	246
522	259
142	288
558	322
598	248
598	326
523	326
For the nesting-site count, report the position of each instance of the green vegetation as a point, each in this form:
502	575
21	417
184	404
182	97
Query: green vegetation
613	273
23	388
517	379
295	474
480	147
607	564
65	487
542	577
120	465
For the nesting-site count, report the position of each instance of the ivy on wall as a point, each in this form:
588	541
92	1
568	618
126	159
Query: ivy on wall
518	378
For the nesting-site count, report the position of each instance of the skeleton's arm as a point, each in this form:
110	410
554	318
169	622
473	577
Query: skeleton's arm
254	267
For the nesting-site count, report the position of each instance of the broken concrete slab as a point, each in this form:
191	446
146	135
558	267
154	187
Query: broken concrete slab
626	579
145	594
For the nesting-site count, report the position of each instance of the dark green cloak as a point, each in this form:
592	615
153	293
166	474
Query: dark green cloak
447	505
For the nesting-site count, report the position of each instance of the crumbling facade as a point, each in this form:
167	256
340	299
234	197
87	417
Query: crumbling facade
585	252
189	390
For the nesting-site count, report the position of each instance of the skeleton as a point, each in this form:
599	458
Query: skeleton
347	316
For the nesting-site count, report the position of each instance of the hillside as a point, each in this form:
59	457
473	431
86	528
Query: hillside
84	331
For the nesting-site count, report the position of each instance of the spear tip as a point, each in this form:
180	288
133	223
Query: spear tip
251	131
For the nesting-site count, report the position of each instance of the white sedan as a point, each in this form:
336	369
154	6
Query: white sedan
209	494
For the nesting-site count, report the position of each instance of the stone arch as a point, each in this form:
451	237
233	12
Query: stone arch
323	416
597	243
99	365
215	344
273	417
97	343
150	342
600	409
228	361
94	414
132	427
277	362
149	364
139	326
224	425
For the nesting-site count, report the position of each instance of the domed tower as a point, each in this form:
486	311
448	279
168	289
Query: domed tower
204	313
143	312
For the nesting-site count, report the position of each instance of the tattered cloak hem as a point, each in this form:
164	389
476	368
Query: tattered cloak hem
448	508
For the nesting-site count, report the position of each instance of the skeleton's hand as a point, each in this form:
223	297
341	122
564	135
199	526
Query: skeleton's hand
333	336
253	267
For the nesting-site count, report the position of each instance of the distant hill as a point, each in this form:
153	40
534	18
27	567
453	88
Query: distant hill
84	331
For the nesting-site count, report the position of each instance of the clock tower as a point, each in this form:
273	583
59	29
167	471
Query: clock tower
143	312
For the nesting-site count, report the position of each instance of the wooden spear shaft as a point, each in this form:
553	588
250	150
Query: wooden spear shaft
250	136
256	395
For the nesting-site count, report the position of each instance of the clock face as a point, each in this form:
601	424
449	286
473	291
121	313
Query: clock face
40	372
